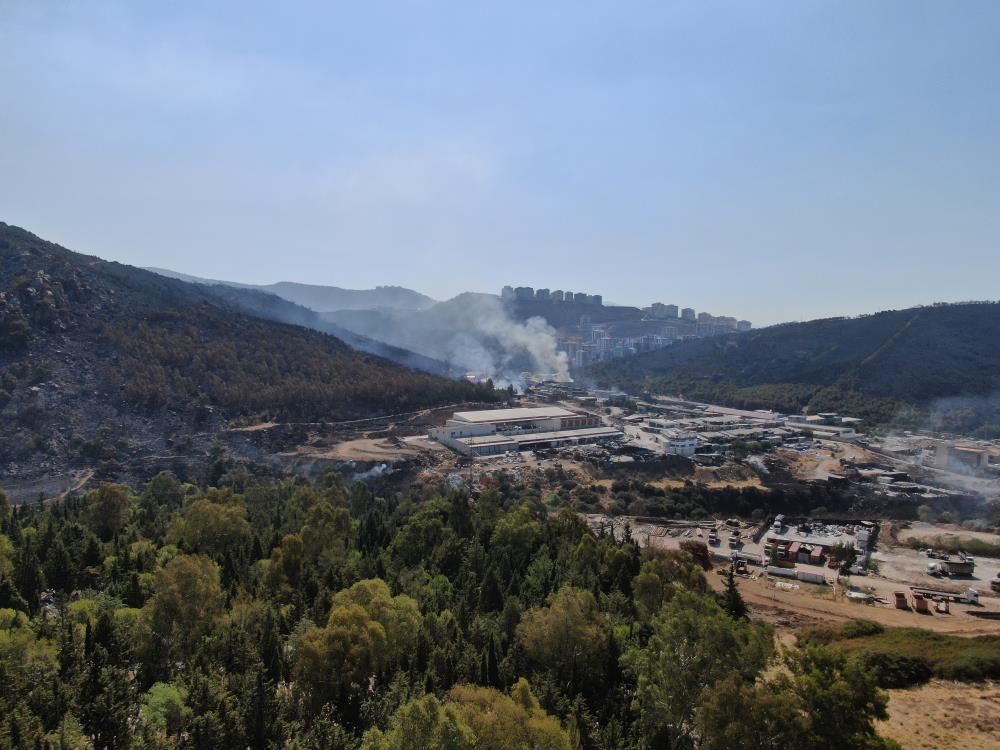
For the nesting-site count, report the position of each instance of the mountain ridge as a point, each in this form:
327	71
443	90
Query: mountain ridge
322	298
891	366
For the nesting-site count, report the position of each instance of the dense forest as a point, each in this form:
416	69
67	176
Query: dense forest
260	613
935	366
89	347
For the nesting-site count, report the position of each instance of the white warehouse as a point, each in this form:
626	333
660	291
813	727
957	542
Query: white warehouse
493	431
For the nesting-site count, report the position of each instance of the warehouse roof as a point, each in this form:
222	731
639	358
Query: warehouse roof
543	437
513	415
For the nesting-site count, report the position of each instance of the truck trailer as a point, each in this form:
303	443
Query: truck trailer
969	596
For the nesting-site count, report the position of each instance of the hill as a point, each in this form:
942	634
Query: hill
101	362
324	298
938	363
267	305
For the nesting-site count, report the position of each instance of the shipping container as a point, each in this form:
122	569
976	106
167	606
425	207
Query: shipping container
805	575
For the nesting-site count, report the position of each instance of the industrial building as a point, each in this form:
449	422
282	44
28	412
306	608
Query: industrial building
961	457
492	431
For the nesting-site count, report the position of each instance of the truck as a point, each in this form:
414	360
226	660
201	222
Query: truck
995	583
969	596
963	566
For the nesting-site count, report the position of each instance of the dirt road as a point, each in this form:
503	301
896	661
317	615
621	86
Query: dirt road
815	605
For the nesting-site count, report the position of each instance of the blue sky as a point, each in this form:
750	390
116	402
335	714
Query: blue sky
768	160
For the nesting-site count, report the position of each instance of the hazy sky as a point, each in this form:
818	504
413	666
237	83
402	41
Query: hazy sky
769	160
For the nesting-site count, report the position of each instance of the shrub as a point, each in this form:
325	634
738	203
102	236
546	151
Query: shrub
861	628
896	670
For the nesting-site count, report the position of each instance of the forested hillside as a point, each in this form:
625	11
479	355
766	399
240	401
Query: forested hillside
100	361
939	363
272	307
278	614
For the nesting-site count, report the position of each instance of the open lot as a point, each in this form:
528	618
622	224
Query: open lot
920	530
945	716
792	604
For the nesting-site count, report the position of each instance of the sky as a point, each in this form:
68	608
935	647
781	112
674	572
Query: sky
768	160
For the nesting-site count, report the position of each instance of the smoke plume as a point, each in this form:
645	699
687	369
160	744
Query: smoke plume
472	332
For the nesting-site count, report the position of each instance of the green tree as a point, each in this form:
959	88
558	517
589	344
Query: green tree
348	651
107	509
211	527
472	718
694	646
186	603
165	710
732	601
399	616
845	554
663	574
738	715
326	536
569	638
841	698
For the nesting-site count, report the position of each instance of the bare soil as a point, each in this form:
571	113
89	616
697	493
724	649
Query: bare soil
920	529
945	715
818	604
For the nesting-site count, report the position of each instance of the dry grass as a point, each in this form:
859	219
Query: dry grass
945	715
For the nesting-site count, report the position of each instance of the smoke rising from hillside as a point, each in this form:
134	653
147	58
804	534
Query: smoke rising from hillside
487	339
472	332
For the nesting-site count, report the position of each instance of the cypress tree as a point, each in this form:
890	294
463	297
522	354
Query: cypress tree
732	601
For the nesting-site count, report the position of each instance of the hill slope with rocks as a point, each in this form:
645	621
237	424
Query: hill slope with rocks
103	364
267	305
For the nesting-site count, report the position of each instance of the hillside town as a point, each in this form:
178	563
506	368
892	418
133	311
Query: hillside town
596	339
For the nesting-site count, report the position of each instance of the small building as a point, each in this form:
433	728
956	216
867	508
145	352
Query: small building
681	445
961	457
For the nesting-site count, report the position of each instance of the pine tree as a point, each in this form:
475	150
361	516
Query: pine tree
732	601
28	575
490	595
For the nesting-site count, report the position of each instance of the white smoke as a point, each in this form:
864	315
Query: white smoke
474	333
534	336
372	473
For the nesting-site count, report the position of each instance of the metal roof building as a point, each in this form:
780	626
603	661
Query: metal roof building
512	415
492	431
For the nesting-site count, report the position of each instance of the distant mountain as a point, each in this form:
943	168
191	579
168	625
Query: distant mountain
325	298
938	365
105	364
